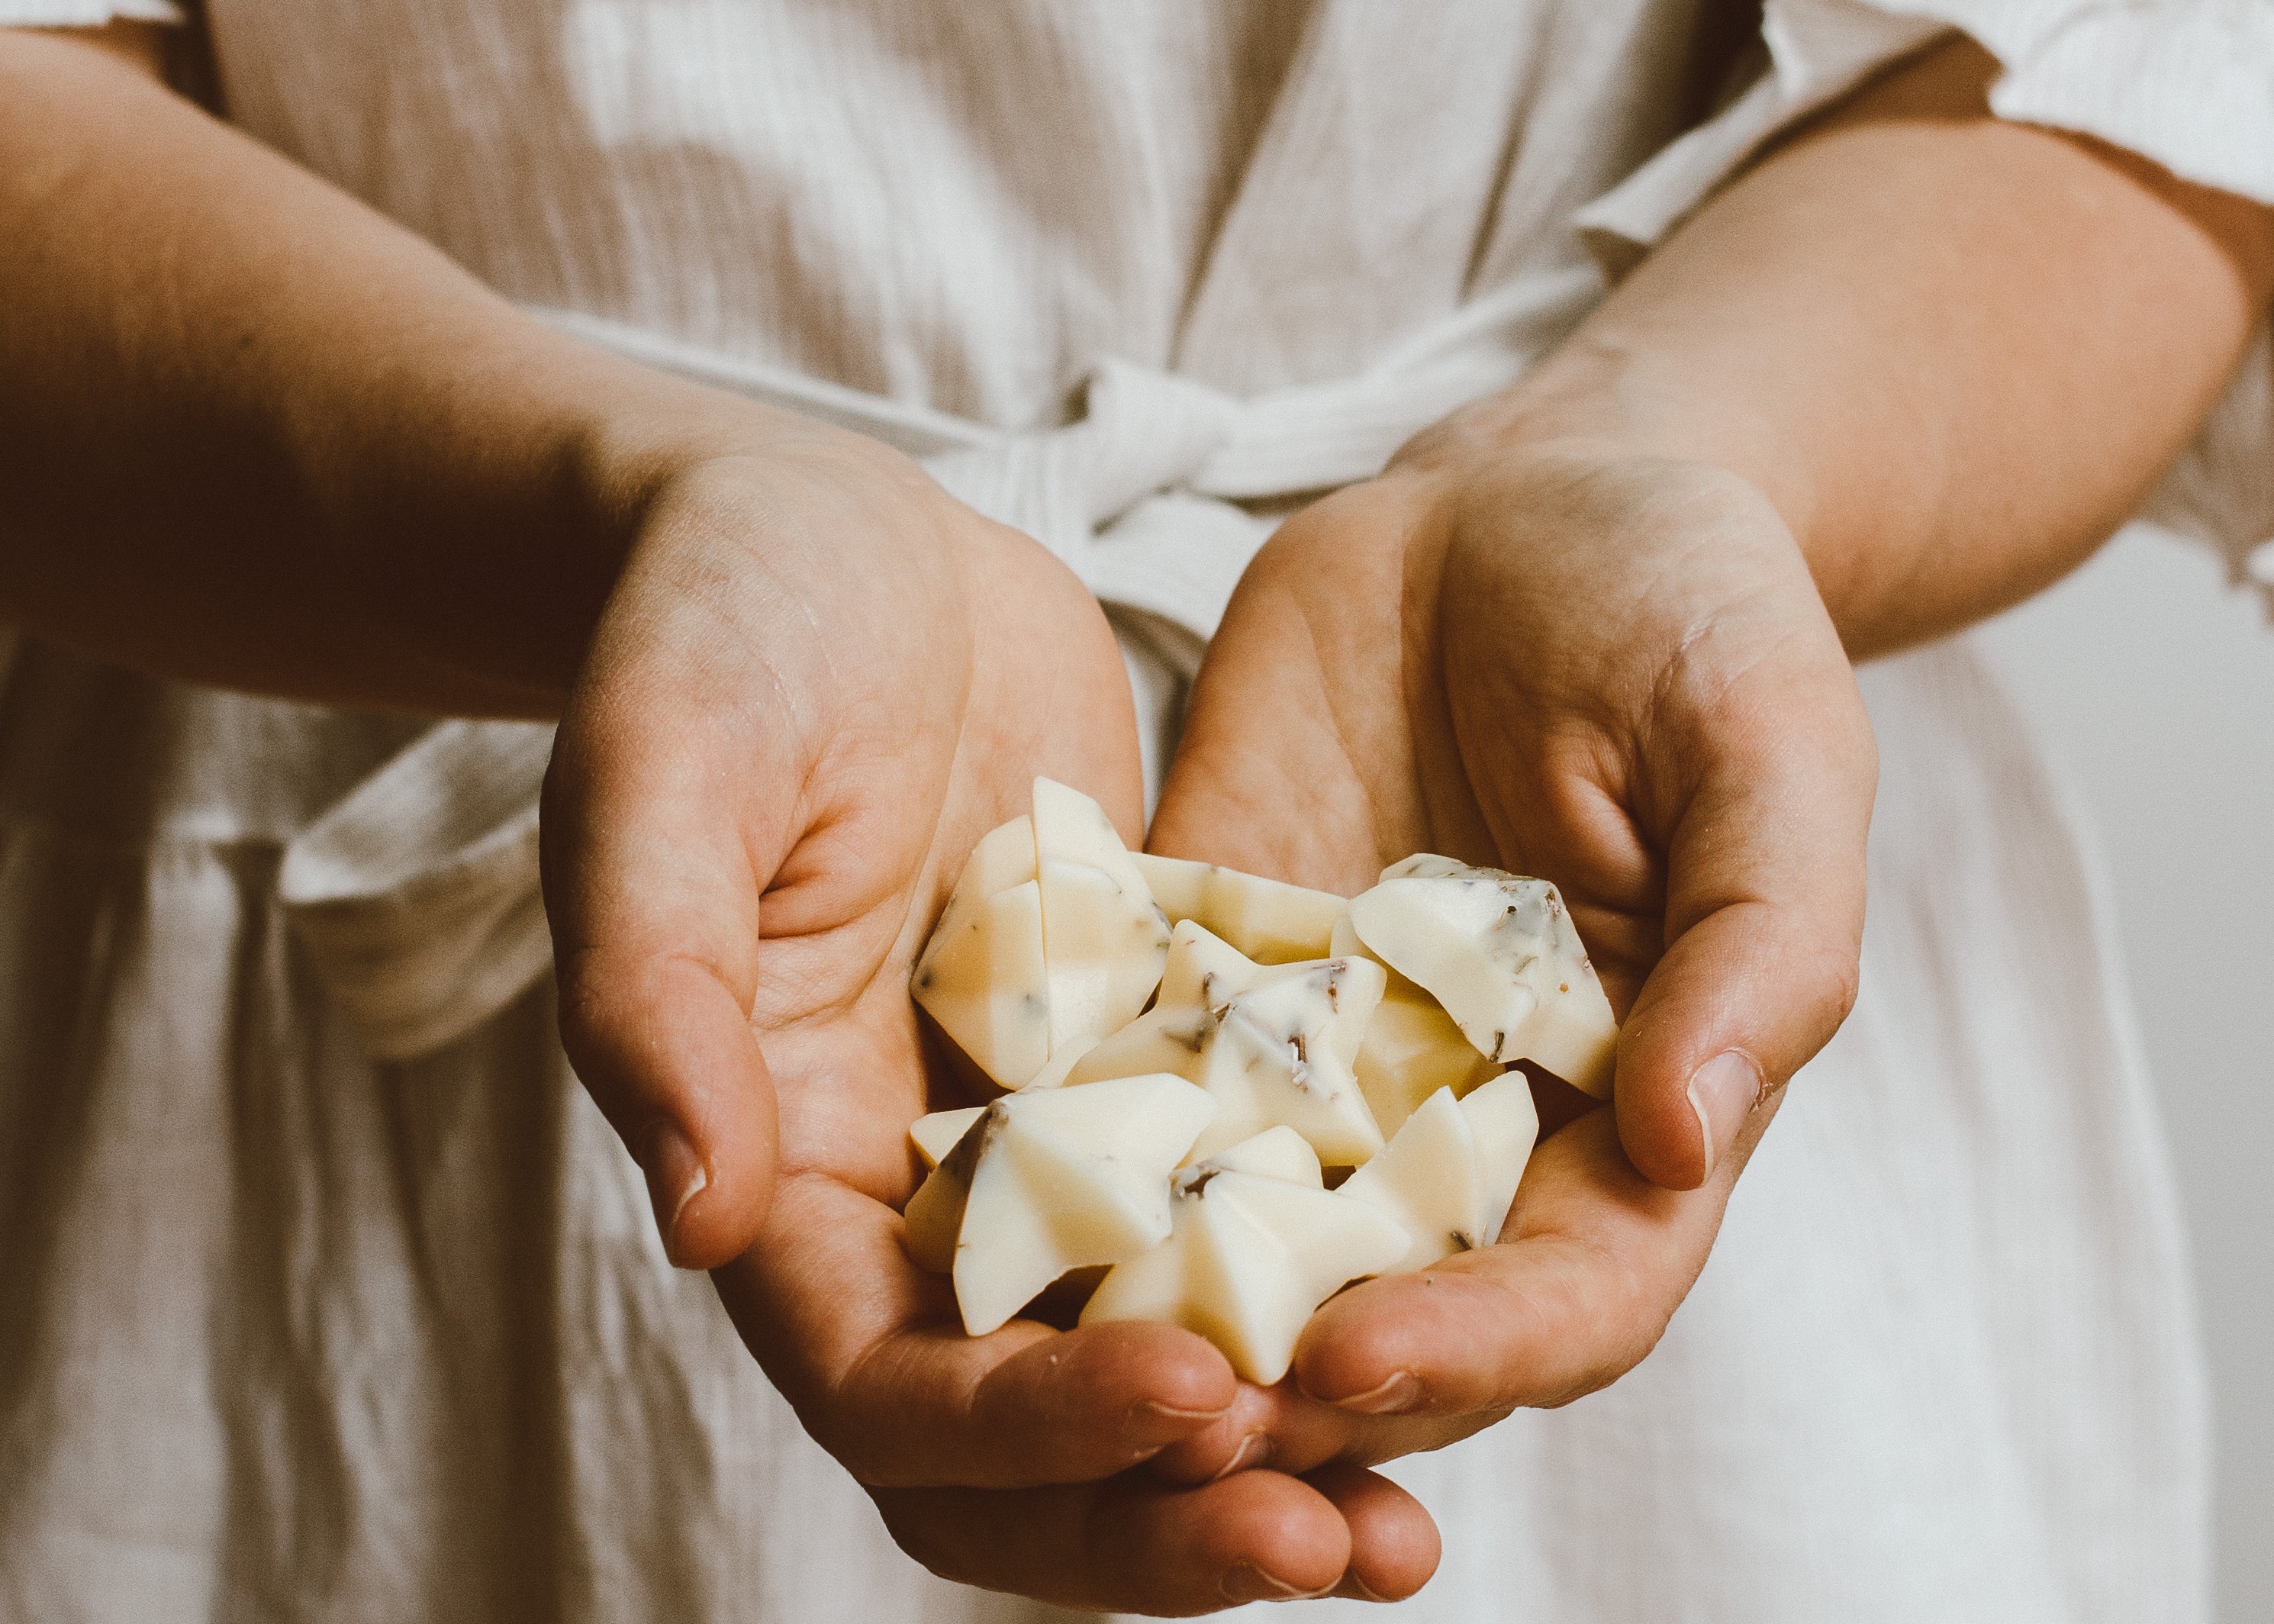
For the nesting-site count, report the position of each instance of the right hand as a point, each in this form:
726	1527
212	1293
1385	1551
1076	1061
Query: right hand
817	681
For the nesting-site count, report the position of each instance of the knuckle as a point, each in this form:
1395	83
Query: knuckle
1599	1372
855	1447
1839	983
914	1535
580	994
1848	986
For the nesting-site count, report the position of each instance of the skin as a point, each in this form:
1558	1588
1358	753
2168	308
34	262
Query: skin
254	434
2041	323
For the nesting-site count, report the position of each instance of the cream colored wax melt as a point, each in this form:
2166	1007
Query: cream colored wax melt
1182	1146
1270	921
1449	1176
1272	1043
935	1135
1051	940
1411	1048
1046	1182
1255	1245
1501	954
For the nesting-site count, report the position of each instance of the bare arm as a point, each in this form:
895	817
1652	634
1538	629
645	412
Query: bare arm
1955	352
252	432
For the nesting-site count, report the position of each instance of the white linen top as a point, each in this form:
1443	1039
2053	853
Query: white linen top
342	1302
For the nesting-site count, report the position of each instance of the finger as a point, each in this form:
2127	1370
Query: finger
1594	1261
1286	1430
663	1045
660	833
1394	1546
870	1352
1592	1266
1242	1438
1765	917
654	1005
1132	1544
654	914
1281	1427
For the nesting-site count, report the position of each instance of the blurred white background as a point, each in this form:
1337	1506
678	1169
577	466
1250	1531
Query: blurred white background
2151	682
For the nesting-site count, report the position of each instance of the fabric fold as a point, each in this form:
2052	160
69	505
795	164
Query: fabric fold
2221	491
1818	51
2190	86
417	895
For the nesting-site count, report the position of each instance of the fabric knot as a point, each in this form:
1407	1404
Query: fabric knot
1140	432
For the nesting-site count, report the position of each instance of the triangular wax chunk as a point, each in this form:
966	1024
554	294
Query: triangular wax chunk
1248	1257
1104	938
935	1134
1272	1043
983	979
1050	1181
1449	1176
1276	1153
1411	1050
1050	942
1103	947
1270	921
1505	1123
1500	952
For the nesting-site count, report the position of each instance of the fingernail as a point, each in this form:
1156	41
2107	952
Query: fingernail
1723	1093
1248	1583
1360	1590
1169	1412
676	1175
1400	1393
1254	1451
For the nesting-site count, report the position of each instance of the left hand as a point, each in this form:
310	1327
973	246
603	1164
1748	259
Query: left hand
1612	670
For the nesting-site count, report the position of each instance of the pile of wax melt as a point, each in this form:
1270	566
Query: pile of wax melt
1226	1097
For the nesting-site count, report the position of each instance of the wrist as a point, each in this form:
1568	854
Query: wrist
1596	401
1602	394
488	508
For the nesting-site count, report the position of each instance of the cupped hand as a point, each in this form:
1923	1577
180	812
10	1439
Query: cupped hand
1612	670
819	681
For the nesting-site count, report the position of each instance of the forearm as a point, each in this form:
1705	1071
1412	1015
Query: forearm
1955	353
251	432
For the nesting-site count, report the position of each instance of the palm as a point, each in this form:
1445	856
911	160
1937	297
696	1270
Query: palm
1328	697
828	1288
820	681
1612	674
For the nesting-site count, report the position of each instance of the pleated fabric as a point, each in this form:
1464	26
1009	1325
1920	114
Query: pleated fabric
330	1297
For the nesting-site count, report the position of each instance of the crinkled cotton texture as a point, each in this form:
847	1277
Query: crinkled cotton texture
330	1296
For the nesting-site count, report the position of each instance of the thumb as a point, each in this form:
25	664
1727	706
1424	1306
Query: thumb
1764	920
653	878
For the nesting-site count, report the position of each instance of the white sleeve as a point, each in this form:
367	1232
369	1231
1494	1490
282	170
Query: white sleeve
86	13
2186	83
